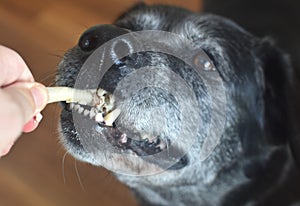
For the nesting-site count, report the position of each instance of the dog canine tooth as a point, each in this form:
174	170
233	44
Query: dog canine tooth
111	117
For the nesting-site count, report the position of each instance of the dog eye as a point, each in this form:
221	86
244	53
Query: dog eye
207	63
210	56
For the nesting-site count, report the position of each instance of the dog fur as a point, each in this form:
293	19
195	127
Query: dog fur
254	163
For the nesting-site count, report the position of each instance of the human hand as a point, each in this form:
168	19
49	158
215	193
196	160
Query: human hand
21	97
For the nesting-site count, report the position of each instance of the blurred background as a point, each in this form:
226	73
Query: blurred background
38	171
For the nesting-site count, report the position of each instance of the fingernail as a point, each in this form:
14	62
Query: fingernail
39	95
33	123
38	117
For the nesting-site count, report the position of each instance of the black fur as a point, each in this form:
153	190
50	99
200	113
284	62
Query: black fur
253	163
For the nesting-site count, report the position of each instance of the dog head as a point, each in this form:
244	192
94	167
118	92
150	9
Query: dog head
255	78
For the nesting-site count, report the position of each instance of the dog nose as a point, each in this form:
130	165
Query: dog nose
98	35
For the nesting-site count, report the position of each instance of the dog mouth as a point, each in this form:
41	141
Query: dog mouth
97	132
139	144
99	106
127	144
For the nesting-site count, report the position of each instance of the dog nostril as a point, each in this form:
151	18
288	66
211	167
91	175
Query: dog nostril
98	35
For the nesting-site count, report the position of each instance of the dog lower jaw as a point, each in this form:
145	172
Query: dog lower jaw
139	153
140	144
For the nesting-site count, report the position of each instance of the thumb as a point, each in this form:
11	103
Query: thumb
19	103
28	97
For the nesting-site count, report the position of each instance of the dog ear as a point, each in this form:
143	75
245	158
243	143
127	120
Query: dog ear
277	128
282	100
277	71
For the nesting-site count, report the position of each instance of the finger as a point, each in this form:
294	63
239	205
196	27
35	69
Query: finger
13	67
6	149
17	107
12	117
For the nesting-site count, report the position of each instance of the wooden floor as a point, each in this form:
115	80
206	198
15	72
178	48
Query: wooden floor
37	171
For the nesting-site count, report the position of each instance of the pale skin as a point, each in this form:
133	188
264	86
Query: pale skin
22	99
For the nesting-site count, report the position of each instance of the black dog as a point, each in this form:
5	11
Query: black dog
253	163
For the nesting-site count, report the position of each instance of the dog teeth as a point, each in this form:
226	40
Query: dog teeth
100	101
88	97
111	117
80	110
161	145
97	112
100	92
123	138
99	118
93	113
99	107
72	105
97	115
76	107
86	112
149	138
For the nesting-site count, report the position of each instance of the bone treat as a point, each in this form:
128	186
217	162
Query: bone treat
68	94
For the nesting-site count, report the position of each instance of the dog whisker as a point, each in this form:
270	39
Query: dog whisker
47	76
63	167
78	175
